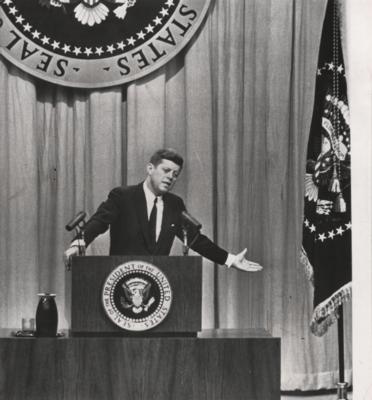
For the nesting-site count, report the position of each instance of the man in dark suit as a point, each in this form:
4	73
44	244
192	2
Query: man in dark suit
144	219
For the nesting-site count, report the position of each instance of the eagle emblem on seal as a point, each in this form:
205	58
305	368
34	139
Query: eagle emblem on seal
136	295
328	175
92	12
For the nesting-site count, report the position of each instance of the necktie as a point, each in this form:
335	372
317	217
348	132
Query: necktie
152	222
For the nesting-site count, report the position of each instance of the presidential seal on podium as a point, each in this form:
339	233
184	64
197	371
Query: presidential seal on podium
136	296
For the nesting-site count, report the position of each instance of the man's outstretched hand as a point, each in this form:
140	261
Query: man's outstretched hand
240	262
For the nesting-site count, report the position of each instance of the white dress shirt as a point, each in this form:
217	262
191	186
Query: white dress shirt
150	197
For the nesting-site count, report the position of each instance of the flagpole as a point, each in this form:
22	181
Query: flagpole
342	385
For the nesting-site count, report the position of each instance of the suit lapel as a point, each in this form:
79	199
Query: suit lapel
141	210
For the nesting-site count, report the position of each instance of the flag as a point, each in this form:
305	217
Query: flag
326	245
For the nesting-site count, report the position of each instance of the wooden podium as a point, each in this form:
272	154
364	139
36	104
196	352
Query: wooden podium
88	275
96	360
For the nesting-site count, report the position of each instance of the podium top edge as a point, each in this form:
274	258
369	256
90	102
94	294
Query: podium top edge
261	334
136	257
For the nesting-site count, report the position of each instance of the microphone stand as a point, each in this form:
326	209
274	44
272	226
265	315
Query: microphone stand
185	242
195	237
186	245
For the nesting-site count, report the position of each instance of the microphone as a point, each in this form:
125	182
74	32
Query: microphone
76	220
189	221
190	230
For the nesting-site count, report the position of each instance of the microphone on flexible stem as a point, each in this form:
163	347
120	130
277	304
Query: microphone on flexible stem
76	220
189	223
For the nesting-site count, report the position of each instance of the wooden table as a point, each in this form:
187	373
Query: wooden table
217	365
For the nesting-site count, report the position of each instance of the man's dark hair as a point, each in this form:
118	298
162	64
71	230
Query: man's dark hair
166	154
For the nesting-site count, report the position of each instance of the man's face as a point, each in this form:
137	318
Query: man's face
162	178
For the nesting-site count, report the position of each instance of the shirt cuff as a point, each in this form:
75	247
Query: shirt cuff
229	260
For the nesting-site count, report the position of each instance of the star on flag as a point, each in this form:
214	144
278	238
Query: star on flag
322	237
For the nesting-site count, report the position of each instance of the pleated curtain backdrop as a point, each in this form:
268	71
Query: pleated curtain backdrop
237	103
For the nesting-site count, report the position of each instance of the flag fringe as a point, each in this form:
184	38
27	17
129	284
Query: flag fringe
325	314
309	271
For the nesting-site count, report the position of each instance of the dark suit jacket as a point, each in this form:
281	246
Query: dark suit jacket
125	212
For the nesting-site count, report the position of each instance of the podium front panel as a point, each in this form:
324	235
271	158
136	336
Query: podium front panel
89	273
217	366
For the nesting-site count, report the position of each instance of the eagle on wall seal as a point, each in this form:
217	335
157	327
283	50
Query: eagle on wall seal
91	12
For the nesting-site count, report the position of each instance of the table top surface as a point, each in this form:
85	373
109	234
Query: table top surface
253	333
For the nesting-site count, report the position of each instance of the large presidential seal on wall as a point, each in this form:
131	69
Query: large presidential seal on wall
137	296
96	43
